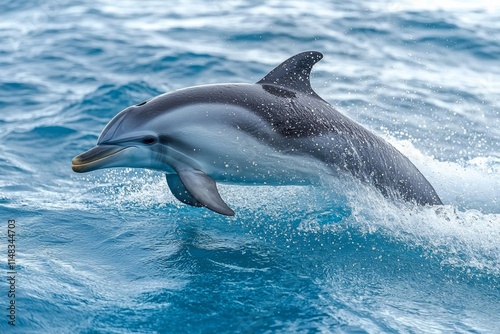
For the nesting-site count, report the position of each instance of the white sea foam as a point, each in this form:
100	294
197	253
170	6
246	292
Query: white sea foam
464	233
474	184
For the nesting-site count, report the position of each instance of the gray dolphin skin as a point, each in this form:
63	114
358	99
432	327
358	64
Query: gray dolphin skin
275	132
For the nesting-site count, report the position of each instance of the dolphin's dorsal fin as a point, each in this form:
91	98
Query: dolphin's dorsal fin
294	73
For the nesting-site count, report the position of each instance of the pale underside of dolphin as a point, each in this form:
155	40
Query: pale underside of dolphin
277	131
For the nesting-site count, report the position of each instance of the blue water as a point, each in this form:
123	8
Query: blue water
113	252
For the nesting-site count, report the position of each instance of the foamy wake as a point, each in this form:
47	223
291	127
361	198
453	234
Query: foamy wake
474	184
464	233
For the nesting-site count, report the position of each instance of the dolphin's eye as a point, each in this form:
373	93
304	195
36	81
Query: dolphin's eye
148	140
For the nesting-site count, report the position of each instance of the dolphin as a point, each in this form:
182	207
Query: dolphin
276	131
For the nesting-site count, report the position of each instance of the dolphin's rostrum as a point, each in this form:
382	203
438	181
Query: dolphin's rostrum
277	131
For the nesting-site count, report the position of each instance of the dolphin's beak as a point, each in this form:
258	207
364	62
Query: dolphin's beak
98	157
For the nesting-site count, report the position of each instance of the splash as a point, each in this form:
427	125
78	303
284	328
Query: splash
462	238
472	184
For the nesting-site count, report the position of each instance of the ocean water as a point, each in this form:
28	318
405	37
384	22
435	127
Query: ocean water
113	252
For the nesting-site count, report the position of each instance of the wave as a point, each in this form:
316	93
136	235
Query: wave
469	185
461	236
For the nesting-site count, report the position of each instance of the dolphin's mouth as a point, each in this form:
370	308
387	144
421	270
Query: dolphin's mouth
96	158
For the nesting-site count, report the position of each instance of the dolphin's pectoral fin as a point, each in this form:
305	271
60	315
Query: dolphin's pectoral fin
294	73
196	188
179	190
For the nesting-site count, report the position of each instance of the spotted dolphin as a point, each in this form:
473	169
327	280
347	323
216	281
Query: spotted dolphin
277	131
